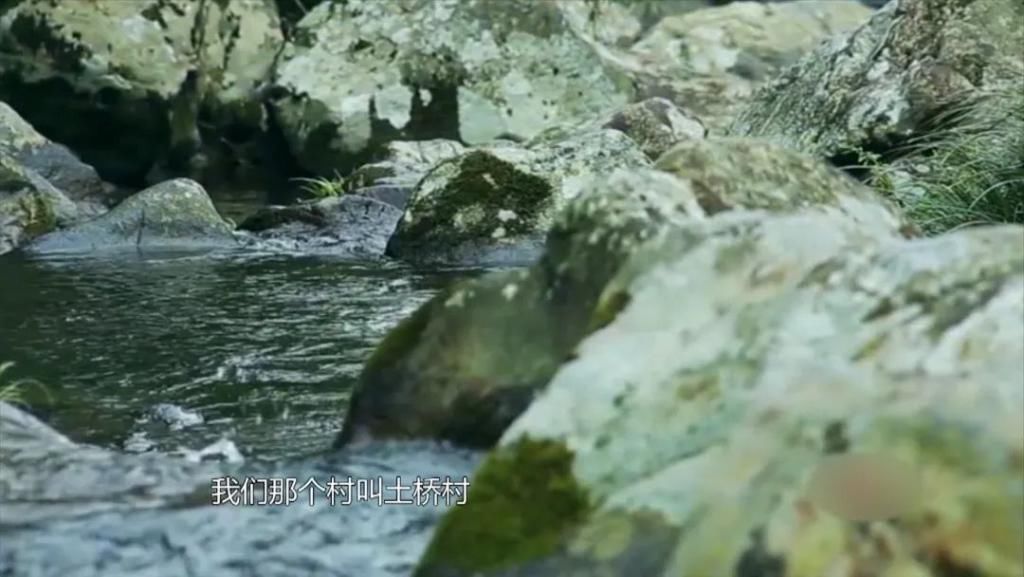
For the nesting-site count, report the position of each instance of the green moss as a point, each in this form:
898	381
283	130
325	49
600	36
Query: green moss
607	310
483	186
38	214
521	505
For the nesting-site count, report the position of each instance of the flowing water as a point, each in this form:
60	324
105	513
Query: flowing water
143	359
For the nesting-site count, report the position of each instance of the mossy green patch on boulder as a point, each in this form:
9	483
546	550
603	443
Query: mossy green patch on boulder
29	205
525	500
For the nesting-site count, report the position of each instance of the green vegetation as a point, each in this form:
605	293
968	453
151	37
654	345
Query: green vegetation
521	505
322	187
14	390
968	171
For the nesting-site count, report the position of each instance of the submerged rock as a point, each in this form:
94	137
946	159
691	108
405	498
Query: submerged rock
129	101
742	352
350	224
469	361
494	205
363	73
176	214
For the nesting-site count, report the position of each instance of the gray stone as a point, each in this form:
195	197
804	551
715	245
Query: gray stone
351	224
169	60
362	73
29	205
884	84
176	214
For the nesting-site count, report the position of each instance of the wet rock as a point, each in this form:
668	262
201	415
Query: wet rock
884	84
176	214
472	359
494	205
21	142
29	205
350	224
171	60
176	417
71	509
363	73
711	60
684	435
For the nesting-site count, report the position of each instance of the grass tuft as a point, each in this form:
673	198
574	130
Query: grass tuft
321	187
967	171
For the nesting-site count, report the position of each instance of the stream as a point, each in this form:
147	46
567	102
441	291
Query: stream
144	359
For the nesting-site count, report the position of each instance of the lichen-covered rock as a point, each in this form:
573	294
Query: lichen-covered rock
351	225
469	361
494	205
883	85
655	124
176	214
362	73
712	60
747	349
130	100
29	205
21	142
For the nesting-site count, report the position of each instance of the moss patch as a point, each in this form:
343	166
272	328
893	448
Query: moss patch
468	207
522	503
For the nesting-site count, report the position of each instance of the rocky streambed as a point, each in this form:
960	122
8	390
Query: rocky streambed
572	288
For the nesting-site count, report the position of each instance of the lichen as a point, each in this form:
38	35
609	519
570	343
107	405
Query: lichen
522	503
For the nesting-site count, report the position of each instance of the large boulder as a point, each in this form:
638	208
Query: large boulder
21	142
470	360
350	225
124	83
749	351
361	73
925	99
494	205
886	83
29	205
176	214
712	60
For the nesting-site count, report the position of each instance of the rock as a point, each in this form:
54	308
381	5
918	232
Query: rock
654	124
362	73
54	162
403	163
747	350
136	96
350	224
881	86
711	60
470	361
29	205
176	214
494	205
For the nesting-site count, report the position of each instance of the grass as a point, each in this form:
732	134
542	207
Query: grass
321	187
968	170
13	391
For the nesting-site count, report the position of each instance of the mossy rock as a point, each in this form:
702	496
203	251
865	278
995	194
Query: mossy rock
715	393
